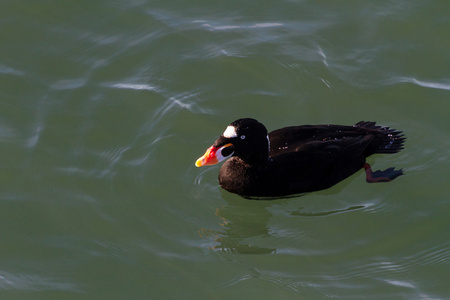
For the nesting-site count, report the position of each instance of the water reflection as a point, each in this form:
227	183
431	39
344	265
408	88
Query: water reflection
245	223
241	225
324	213
242	221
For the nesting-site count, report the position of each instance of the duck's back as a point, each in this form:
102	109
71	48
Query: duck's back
336	139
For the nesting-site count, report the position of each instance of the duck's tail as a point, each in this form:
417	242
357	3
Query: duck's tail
386	140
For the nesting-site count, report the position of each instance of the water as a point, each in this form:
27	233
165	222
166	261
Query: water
106	105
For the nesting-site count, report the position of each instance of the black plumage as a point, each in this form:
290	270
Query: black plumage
298	159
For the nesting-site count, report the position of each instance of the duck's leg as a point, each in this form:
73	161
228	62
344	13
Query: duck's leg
381	176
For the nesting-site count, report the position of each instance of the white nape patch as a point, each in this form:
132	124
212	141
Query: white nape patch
230	132
268	143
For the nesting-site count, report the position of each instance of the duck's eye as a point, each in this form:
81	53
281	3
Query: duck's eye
242	137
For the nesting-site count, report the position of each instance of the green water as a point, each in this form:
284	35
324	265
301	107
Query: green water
106	105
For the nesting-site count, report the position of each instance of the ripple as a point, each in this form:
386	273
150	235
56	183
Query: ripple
10	71
114	155
69	84
201	173
73	170
427	84
276	278
33	282
235	27
400	283
438	255
181	101
325	213
6	133
33	140
132	86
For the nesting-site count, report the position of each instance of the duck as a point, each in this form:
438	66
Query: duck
298	159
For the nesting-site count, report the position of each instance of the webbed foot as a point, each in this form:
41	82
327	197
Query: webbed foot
381	176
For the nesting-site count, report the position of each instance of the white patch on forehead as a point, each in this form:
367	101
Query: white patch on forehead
230	132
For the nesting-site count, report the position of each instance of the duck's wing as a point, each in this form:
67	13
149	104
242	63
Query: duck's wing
316	165
318	139
336	140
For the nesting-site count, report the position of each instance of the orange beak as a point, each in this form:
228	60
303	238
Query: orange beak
212	156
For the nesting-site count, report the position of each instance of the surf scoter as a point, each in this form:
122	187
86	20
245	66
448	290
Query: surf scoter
298	159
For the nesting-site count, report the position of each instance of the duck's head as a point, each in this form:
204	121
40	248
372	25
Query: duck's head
244	138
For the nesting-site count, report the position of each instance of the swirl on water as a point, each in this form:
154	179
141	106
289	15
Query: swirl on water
10	71
427	84
326	213
69	84
132	86
34	282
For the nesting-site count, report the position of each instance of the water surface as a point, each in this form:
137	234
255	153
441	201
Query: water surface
106	106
